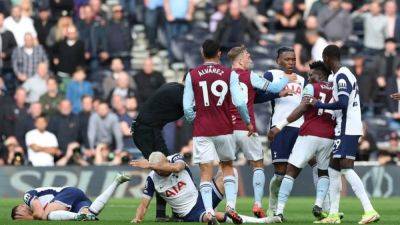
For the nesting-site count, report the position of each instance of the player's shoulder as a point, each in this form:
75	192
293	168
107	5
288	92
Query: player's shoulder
175	158
344	72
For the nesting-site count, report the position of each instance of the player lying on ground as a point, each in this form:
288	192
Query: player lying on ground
172	179
315	138
63	203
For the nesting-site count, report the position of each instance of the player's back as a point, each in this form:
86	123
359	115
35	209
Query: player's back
249	93
210	84
319	122
348	122
44	194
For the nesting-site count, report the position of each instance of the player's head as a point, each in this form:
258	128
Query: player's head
240	57
318	72
331	56
286	59
211	50
159	158
21	212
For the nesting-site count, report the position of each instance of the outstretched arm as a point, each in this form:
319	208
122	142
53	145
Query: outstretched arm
265	85
164	167
188	99
142	210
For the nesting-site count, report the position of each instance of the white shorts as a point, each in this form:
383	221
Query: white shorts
209	149
306	147
251	146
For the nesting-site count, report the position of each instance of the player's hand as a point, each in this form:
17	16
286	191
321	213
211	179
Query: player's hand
272	133
141	163
312	101
395	96
136	221
250	128
286	92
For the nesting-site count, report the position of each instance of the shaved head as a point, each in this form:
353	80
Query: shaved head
157	157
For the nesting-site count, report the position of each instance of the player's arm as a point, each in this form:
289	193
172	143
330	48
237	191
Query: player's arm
31	200
237	97
148	193
266	85
188	99
177	165
344	90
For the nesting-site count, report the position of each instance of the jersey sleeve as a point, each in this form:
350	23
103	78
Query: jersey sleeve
149	188
29	196
258	81
188	99
343	85
177	158
238	98
308	90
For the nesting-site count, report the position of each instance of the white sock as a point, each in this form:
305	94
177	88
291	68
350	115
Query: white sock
61	215
274	186
230	187
358	188
99	203
249	219
315	175
322	189
334	190
326	204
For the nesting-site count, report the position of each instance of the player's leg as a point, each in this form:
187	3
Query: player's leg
57	211
221	217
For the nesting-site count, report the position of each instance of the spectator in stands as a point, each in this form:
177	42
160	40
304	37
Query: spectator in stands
366	145
110	82
218	15
19	25
11	153
42	25
72	156
11	112
61	8
65	125
119	38
375	27
105	157
99	14
69	53
179	15
5	7
366	79
126	121
93	35
104	128
122	88
288	18
316	7
36	86
59	31
318	44
26	122
51	98
393	86
302	47
251	14
26	8
83	116
388	63
232	28
389	150
117	104
42	145
77	88
154	13
393	20
8	44
26	59
333	18
148	80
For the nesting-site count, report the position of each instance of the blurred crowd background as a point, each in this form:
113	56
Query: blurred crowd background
74	73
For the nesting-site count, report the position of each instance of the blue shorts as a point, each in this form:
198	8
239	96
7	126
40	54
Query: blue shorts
72	198
345	147
198	210
283	143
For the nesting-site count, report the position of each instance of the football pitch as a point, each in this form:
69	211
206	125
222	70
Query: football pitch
121	211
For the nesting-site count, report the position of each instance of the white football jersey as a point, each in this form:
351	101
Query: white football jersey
178	189
348	122
282	107
44	194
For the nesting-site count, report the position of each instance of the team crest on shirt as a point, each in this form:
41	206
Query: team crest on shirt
27	196
342	84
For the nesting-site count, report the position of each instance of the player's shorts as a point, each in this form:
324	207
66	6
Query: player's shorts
204	149
198	210
72	198
306	147
283	143
345	146
148	139
251	146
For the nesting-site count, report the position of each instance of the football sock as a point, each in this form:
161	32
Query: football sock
61	215
334	190
206	195
230	191
249	219
326	203
99	203
274	185
160	206
322	189
315	175
284	192
358	188
258	185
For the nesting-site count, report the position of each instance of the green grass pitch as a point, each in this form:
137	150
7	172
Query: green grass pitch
121	211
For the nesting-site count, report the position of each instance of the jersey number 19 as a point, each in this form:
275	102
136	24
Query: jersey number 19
214	90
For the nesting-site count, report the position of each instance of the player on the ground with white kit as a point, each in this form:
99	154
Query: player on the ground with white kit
347	133
211	88
315	138
251	146
283	105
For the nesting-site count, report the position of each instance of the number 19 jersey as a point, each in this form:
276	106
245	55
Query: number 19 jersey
212	97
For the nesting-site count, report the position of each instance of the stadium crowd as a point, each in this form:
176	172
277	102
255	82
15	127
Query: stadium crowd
69	90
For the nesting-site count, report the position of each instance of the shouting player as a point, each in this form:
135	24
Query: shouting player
210	87
251	146
348	130
63	203
283	105
315	138
172	179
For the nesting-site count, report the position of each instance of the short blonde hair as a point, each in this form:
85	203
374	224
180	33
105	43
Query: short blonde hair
236	51
157	157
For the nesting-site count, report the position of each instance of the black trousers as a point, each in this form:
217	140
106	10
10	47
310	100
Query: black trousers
148	139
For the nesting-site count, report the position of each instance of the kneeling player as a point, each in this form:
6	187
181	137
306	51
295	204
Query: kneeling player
172	179
315	138
63	203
